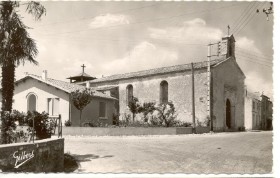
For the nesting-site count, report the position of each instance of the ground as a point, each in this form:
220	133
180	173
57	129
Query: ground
243	152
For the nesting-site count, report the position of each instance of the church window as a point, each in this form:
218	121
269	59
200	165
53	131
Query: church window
102	109
53	106
129	94
163	92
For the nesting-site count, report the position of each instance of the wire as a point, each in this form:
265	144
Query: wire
247	22
264	59
267	62
252	60
242	49
235	24
246	18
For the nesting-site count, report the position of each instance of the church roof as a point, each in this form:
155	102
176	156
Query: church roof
65	86
162	70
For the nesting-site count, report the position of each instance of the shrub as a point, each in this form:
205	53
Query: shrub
134	107
8	119
68	123
19	117
166	114
147	108
43	126
126	119
182	124
116	119
205	123
155	121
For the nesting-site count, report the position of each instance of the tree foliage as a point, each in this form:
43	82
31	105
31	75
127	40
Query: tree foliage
134	107
16	47
80	99
147	108
166	113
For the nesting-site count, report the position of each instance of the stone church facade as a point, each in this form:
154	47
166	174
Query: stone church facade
175	84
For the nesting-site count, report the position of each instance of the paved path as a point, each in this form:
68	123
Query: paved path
246	152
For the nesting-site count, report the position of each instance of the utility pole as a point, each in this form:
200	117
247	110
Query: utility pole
209	86
193	101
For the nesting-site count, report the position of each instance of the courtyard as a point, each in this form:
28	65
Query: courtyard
235	152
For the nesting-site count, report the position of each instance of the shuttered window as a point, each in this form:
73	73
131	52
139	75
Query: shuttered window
53	106
102	109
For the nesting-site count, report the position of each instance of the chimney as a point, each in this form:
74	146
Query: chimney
87	84
45	74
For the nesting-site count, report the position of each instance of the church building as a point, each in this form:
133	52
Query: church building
218	89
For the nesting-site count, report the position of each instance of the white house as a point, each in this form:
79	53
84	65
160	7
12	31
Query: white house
40	93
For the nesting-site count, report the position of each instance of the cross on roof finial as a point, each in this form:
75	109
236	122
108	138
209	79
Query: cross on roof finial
83	66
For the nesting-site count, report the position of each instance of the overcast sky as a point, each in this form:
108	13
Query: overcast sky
119	37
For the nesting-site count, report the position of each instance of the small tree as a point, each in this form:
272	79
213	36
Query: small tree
80	99
147	108
166	113
134	107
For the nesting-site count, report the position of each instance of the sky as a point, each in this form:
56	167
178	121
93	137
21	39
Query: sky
119	37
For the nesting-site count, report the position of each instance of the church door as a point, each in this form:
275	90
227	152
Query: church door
228	113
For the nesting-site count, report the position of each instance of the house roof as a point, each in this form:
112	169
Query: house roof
162	70
64	86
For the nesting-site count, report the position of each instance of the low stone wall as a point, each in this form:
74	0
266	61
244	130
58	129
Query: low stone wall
41	156
125	131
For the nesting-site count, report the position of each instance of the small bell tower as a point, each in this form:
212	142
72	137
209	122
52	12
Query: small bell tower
229	43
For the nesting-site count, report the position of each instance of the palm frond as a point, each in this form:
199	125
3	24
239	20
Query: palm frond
36	9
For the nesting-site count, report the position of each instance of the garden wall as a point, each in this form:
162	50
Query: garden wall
41	156
125	131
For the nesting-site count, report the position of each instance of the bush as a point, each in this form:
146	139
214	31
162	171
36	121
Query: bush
43	126
68	123
9	120
155	121
147	108
166	114
134	107
19	117
182	124
126	119
116	119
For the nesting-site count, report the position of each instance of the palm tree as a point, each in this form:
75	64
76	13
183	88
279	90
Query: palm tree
16	47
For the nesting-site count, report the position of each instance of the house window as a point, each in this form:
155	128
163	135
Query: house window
102	109
163	92
31	100
53	106
129	94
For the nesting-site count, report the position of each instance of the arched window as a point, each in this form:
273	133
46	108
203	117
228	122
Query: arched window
31	102
129	94
163	92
